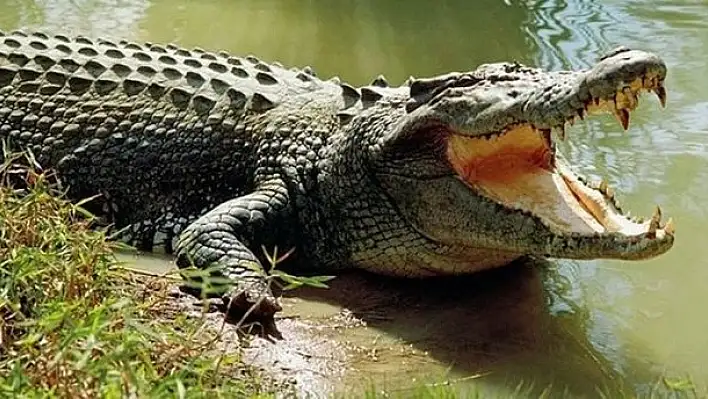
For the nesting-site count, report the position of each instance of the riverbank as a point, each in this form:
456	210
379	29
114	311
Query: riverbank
76	324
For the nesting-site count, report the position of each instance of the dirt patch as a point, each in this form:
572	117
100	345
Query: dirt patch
367	330
309	362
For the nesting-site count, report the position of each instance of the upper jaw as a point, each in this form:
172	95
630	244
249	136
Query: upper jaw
510	94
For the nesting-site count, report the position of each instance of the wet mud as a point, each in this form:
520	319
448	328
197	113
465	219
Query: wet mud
491	332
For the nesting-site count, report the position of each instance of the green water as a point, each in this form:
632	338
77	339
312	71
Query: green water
614	324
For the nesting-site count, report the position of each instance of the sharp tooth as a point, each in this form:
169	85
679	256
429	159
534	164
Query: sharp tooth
610	193
654	223
622	116
660	92
620	101
603	186
669	227
630	98
560	131
625	118
546	134
652	229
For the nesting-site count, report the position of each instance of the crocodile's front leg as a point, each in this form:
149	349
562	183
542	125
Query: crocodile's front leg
227	236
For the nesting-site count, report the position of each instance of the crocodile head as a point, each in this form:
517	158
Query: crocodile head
473	165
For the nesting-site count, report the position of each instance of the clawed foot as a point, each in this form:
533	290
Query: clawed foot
244	307
255	313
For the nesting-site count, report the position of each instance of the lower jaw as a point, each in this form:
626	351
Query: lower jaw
598	211
584	223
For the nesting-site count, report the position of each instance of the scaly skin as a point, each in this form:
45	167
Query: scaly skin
213	157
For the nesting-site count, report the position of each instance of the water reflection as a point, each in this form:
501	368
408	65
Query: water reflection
357	40
515	326
569	33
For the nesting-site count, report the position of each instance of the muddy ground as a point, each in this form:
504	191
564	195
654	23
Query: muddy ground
492	330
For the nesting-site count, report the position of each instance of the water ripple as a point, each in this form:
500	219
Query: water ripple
570	34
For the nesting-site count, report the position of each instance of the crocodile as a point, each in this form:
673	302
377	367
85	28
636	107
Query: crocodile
218	159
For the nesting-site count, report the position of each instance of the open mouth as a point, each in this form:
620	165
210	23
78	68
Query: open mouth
518	168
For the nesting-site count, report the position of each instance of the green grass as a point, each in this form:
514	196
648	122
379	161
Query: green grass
76	325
